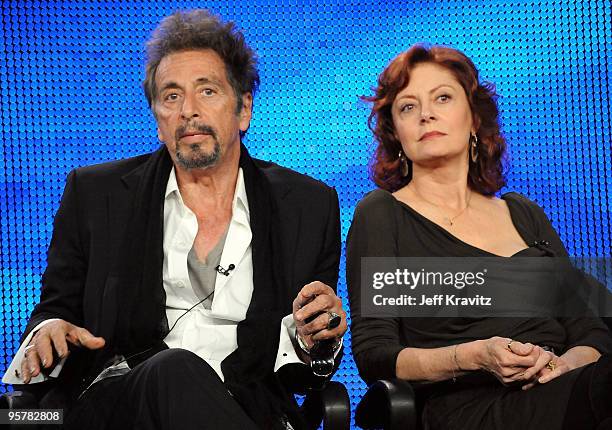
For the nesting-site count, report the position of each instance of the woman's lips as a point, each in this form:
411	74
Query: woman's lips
431	135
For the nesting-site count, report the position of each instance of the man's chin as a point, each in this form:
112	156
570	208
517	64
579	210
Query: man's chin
197	161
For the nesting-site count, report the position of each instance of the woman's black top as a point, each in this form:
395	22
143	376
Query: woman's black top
385	227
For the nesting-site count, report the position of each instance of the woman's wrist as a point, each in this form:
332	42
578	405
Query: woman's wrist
463	358
469	355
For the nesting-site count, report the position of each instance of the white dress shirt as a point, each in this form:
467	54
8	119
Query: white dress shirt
211	333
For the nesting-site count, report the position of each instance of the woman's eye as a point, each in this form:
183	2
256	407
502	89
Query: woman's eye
406	107
444	97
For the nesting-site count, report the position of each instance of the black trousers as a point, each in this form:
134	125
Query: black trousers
174	389
590	405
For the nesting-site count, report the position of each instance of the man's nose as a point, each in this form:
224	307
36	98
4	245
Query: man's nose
189	108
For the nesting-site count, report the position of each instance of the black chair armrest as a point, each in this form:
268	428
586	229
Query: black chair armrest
388	404
18	400
330	404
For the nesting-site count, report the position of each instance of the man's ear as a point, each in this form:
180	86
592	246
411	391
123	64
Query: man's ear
246	111
152	108
159	135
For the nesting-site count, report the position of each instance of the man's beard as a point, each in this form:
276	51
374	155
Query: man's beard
191	156
198	159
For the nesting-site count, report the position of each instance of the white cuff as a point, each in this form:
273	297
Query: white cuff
286	352
13	373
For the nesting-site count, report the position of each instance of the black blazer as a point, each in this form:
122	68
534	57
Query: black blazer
90	228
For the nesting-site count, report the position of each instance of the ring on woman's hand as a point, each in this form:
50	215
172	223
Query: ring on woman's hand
29	347
551	365
334	320
509	346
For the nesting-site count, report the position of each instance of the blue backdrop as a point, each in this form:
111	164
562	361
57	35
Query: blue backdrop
70	95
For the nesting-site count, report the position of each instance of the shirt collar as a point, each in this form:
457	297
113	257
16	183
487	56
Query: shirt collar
172	185
240	195
239	202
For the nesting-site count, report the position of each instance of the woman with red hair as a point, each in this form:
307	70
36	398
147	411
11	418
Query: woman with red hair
438	165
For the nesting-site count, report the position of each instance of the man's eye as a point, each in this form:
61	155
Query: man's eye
171	97
208	91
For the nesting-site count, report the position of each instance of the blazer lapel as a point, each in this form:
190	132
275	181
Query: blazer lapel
119	208
286	235
133	294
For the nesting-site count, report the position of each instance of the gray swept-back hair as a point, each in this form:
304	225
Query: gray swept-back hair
199	29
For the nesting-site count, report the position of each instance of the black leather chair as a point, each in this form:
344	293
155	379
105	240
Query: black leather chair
390	405
330	405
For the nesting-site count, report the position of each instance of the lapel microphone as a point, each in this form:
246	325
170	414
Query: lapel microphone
223	271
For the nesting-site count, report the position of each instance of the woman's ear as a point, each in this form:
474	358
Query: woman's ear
475	125
395	136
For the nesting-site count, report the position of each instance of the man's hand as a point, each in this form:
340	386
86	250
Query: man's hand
52	340
315	298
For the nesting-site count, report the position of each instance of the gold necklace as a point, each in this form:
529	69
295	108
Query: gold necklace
448	219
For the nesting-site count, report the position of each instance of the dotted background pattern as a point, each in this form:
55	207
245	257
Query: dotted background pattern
70	95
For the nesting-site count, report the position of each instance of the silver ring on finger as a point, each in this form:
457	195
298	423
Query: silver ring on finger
334	320
28	348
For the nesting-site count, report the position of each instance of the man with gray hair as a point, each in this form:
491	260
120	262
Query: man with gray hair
189	287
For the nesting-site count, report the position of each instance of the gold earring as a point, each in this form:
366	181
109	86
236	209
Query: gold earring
473	148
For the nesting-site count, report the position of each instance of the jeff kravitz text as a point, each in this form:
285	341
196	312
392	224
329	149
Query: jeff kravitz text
435	300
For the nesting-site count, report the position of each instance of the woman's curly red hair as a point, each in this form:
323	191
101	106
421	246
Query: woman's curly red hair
486	175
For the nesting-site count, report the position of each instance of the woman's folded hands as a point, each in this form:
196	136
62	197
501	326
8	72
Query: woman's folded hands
526	364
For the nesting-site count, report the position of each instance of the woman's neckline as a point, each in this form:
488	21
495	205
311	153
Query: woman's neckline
455	238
